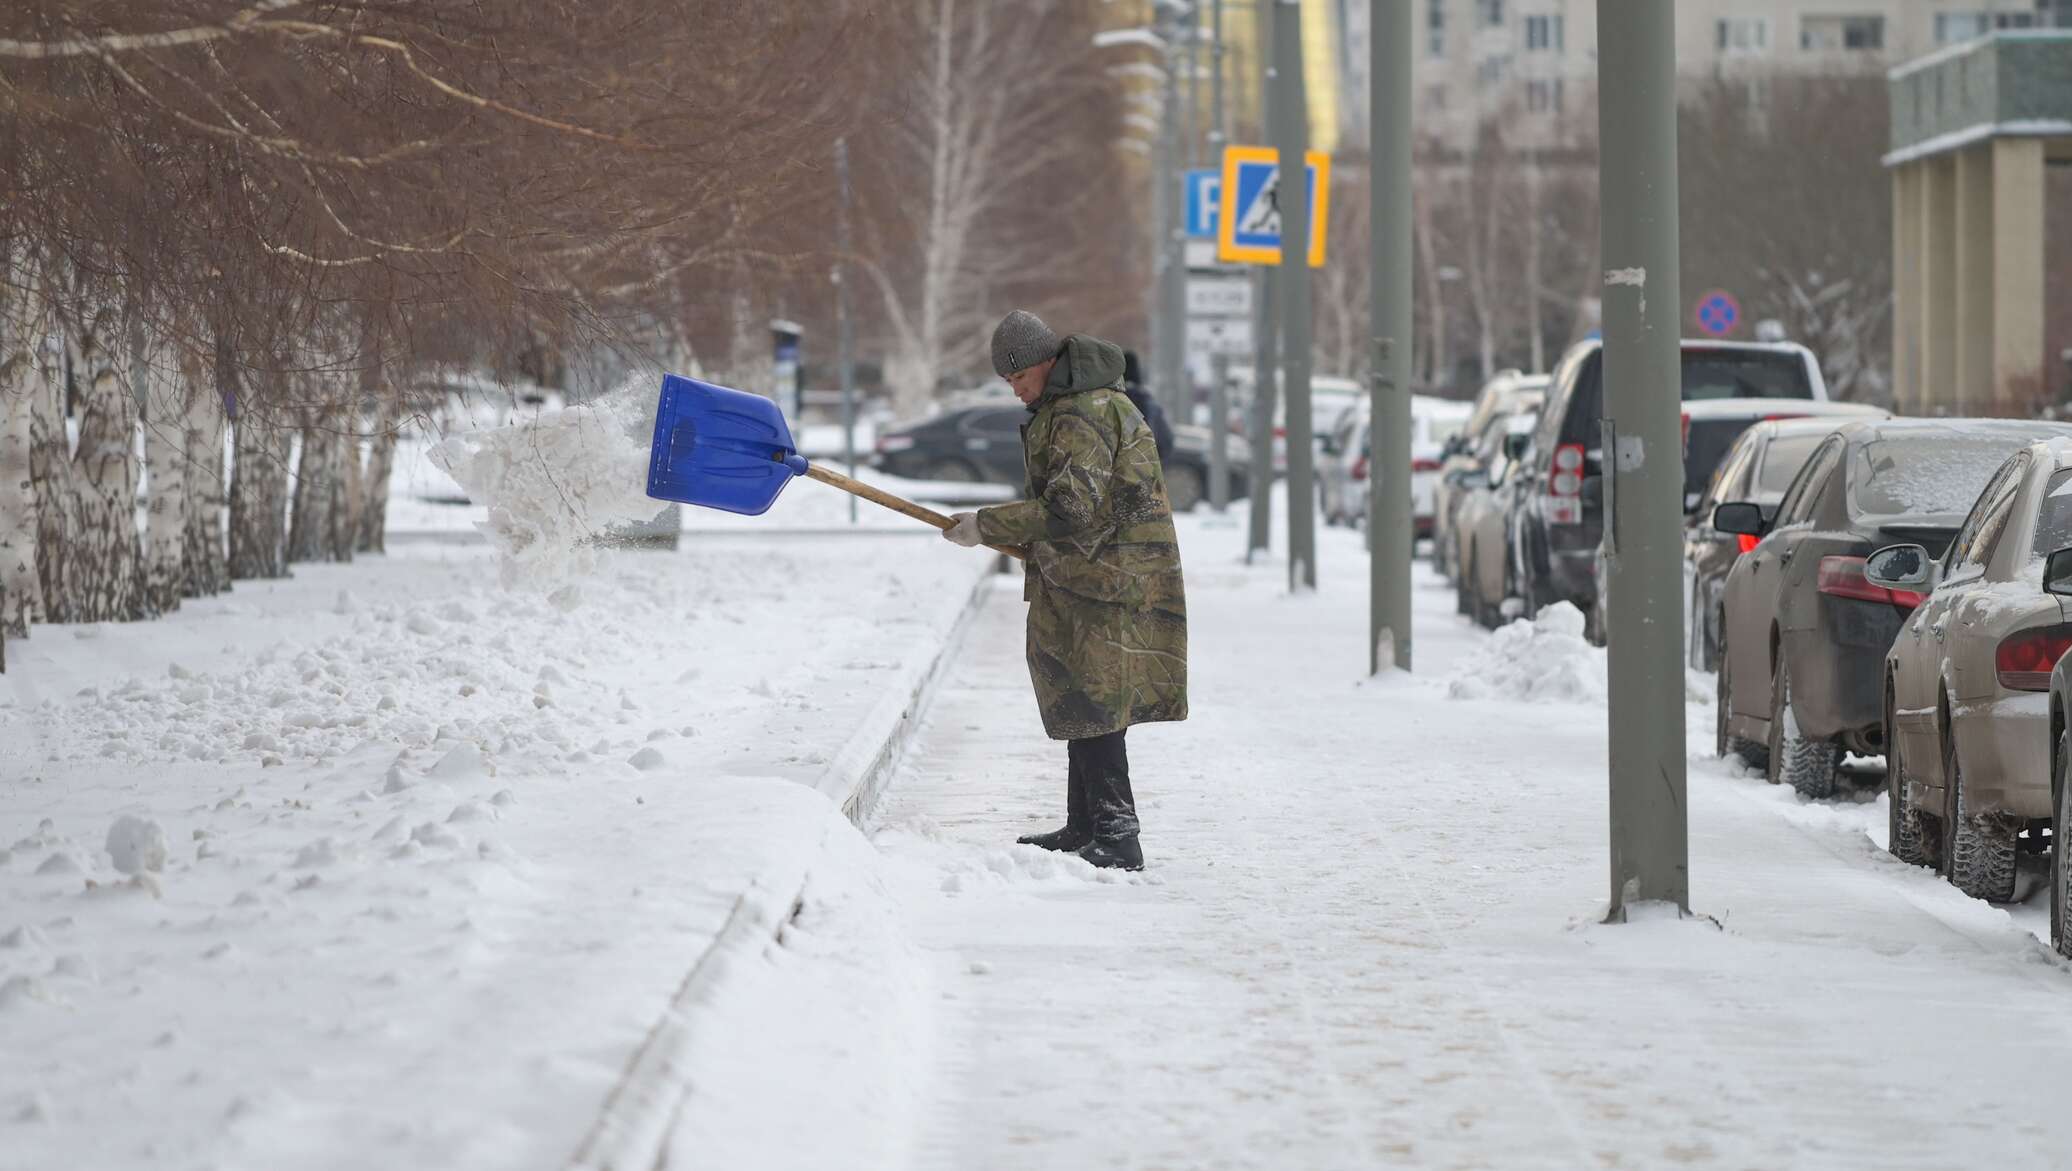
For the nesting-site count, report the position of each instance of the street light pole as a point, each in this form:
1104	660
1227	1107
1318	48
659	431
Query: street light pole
1293	197
844	327
1266	327
1388	188
1642	469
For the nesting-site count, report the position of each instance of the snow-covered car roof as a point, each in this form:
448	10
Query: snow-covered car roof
1761	408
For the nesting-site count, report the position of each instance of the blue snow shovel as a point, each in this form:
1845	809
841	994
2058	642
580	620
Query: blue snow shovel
730	450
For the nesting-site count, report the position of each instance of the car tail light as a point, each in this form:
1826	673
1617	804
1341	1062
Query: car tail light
1748	541
1280	432
891	443
1424	465
2024	659
1687	432
1360	468
1842	577
1564	505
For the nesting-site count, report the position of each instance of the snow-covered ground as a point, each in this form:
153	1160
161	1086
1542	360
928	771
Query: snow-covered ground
1369	937
387	866
444	866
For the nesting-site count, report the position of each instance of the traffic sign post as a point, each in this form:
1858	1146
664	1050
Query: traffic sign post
1250	232
1252	223
1717	313
1204	187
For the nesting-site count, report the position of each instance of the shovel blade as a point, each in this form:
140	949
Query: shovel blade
719	448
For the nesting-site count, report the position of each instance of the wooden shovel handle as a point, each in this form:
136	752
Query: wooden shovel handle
897	504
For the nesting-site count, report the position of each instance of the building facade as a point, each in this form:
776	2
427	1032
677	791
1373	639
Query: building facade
1530	66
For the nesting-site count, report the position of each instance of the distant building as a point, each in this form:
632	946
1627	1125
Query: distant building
1533	63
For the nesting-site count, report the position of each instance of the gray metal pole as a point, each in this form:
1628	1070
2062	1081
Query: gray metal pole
1219	434
1171	356
1643	485
1292	139
844	327
1216	124
1388	503
1266	331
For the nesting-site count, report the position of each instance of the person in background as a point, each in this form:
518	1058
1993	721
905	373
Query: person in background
1133	386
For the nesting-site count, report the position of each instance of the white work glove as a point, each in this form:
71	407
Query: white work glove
965	531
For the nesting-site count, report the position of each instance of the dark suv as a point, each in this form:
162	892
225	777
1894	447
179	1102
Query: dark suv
1554	530
984	445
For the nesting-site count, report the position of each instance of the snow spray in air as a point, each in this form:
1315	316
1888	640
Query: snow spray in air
555	482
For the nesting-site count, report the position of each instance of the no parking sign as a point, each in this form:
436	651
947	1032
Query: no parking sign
1717	313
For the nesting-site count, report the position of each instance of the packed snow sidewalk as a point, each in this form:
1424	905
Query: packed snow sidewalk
1369	937
387	866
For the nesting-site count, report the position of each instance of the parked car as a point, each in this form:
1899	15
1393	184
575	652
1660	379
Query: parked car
1329	398
1556	532
1343	465
983	444
1967	721
1758	467
1802	665
1485	584
2057	580
1501	398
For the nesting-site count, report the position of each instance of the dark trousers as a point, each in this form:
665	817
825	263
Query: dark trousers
1098	796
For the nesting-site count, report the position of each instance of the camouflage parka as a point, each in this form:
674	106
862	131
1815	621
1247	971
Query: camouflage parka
1107	609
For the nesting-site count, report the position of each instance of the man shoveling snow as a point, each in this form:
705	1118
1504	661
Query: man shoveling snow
1107	641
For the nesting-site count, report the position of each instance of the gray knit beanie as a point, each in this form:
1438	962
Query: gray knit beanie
1020	341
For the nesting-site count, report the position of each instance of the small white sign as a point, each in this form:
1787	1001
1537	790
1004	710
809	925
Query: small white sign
1219	296
1230	336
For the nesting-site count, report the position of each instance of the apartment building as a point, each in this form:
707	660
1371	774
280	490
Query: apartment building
1532	64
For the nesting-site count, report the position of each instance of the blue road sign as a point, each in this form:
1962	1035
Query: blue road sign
1204	184
1251	232
1718	312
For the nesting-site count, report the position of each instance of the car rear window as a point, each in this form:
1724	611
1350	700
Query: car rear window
1706	442
2054	516
1781	461
1707	374
1716	374
1929	472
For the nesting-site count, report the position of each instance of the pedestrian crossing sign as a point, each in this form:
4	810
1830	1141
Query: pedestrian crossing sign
1248	230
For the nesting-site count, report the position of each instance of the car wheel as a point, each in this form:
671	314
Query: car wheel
1806	764
1694	641
1183	488
2060	866
1752	753
1908	835
1979	847
1463	601
953	471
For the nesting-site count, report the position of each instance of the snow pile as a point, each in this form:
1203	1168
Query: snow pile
556	481
1546	660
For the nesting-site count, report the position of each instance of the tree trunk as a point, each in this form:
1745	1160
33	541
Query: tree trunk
100	555
206	562
21	338
374	482
1533	323
1440	370
259	498
166	458
323	523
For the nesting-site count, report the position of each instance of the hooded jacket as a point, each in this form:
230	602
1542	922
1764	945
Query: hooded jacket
1107	643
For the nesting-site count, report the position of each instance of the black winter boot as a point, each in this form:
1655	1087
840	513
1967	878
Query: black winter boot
1078	830
1115	853
1070	839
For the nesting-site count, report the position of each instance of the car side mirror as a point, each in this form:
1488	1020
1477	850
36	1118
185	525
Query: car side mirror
2057	573
1515	446
1909	567
1740	517
1593	492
